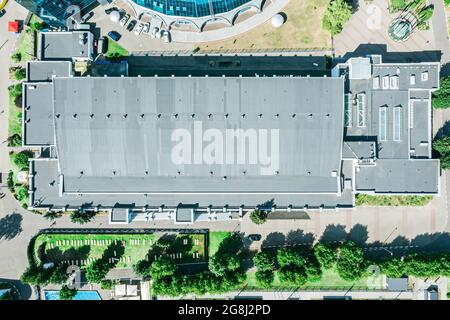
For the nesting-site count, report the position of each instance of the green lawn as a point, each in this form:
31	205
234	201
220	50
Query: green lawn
67	247
25	44
15	115
330	279
115	50
370	200
215	239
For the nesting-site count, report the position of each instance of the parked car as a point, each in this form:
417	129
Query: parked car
160	34
124	20
254	237
138	29
2	12
155	32
131	25
87	16
114	35
146	28
166	37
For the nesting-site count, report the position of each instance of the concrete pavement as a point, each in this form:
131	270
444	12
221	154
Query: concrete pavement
439	28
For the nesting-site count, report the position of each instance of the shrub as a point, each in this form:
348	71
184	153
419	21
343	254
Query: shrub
19	74
350	264
442	148
52	215
10	181
397	5
337	14
36	26
441	97
106	284
22	193
425	13
67	293
16	57
259	216
81	217
21	159
15	140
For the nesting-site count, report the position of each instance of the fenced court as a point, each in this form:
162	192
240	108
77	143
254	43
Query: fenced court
124	250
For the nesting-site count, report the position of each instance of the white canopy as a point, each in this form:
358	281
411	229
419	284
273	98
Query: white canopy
114	16
277	20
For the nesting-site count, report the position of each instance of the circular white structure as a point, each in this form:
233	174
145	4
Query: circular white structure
277	20
114	16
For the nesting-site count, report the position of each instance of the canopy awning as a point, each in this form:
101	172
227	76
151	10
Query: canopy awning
13	26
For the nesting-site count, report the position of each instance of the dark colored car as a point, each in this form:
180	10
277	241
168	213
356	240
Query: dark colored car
131	25
114	35
2	12
254	237
108	11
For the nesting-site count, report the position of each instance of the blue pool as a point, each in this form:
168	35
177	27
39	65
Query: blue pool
191	8
81	295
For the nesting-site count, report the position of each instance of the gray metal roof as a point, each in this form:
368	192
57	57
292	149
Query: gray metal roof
397	284
420	132
65	45
133	154
38	114
46	185
399	176
38	71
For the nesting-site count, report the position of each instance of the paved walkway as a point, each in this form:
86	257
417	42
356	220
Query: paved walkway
369	25
439	28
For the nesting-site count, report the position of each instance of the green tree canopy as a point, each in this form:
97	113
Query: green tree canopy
67	293
20	159
81	216
350	264
97	271
326	254
337	14
441	97
442	147
264	261
264	278
259	216
163	267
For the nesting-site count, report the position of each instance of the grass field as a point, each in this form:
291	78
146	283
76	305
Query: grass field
25	44
15	117
370	200
68	247
115	50
302	30
215	239
330	279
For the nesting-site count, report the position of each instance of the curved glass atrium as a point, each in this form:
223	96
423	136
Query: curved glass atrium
191	8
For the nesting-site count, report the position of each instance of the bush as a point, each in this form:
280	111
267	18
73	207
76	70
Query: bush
397	5
350	264
379	200
67	293
22	193
81	217
19	74
21	159
442	148
337	14
441	97
10	181
106	284
425	13
259	216
16	57
36	26
52	215
15	140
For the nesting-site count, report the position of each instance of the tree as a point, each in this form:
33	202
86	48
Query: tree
264	261
67	293
52	215
142	268
442	148
97	271
259	216
20	159
326	255
22	193
59	275
293	275
163	267
82	216
36	26
337	14
264	278
441	97
350	264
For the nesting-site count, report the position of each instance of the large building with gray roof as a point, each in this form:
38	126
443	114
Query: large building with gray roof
209	148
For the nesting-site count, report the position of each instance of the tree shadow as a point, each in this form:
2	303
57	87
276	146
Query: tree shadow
443	131
358	234
113	253
334	232
56	255
299	236
10	226
274	239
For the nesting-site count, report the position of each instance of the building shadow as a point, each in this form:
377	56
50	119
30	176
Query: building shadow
392	57
24	291
10	226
